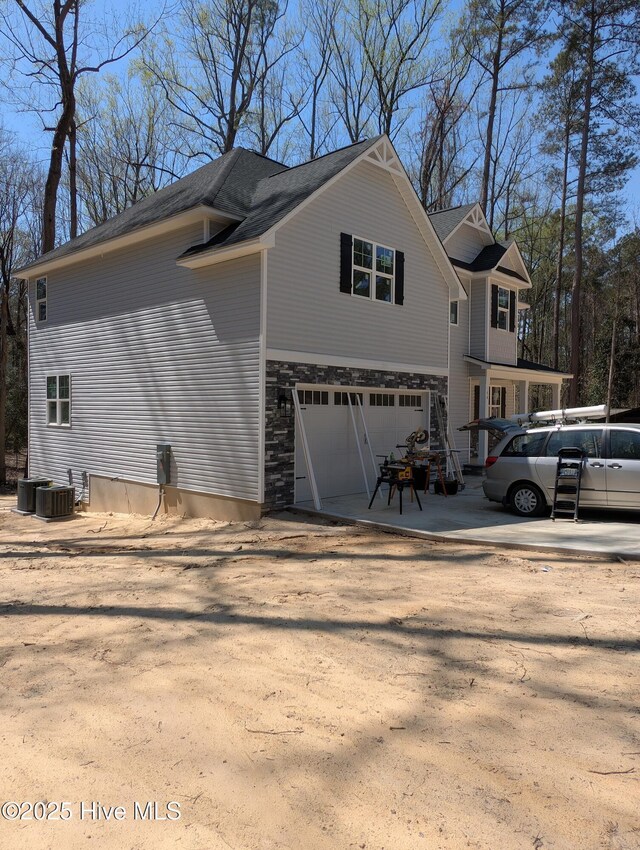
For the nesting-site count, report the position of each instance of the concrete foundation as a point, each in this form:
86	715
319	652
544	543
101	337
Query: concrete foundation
132	497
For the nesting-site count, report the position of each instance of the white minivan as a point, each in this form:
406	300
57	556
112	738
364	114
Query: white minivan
521	470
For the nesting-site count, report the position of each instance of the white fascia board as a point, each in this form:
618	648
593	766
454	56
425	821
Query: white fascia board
507	280
408	193
220	255
503	370
316	359
140	234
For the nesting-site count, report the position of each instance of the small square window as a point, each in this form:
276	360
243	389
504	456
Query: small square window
453	312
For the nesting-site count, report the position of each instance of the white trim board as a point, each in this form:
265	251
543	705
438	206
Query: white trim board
316	359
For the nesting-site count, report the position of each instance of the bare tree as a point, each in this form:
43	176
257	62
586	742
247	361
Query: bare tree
602	40
352	81
52	47
17	180
127	142
394	35
444	163
496	33
317	57
212	68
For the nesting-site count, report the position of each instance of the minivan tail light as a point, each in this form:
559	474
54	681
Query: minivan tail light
490	461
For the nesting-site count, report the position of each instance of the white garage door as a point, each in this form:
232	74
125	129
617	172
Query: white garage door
390	415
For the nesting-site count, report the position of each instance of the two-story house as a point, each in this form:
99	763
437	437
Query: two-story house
276	327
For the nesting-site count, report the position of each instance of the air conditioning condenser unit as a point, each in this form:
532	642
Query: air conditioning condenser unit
54	502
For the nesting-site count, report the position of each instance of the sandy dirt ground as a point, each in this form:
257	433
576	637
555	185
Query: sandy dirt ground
312	687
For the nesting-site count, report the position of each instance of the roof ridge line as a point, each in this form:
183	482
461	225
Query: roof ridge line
372	140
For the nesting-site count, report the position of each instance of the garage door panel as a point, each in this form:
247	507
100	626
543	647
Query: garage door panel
333	444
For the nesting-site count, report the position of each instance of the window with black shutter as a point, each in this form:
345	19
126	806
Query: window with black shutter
370	270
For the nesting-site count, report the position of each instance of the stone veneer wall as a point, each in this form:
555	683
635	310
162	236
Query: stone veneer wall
280	430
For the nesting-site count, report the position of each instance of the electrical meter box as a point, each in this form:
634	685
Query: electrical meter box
163	460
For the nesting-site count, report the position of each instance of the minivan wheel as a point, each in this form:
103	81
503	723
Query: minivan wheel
527	500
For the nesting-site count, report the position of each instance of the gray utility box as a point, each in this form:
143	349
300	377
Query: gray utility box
163	462
27	492
52	502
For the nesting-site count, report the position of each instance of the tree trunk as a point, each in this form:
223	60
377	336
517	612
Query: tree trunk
491	117
576	289
560	264
73	182
54	174
4	333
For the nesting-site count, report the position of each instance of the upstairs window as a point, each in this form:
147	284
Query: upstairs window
453	312
370	270
59	400
41	299
503	308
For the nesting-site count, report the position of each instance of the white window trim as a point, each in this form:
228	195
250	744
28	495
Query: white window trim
372	271
457	321
40	301
504	310
492	406
58	401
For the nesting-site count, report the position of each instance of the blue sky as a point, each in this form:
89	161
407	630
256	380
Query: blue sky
28	126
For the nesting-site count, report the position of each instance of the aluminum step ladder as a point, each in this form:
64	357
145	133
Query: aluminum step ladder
566	492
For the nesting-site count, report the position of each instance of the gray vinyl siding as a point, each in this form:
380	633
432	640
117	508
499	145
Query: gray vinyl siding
465	244
459	379
502	346
156	354
306	310
478	319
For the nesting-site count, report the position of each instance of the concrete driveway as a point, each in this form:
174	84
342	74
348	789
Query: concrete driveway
469	517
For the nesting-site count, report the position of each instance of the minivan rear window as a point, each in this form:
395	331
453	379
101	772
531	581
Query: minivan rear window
526	445
589	440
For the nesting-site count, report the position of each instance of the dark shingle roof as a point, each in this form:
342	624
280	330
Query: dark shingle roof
537	367
519	364
227	183
276	195
489	259
444	221
241	183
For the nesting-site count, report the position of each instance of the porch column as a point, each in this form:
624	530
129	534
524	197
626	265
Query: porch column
555	395
483	413
523	397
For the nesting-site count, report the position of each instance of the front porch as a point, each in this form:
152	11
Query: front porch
502	390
